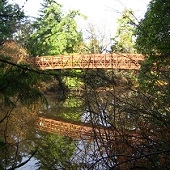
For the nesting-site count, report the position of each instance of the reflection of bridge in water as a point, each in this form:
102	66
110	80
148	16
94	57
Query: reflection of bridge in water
90	61
68	129
81	131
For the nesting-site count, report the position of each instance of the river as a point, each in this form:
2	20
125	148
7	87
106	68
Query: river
52	150
84	130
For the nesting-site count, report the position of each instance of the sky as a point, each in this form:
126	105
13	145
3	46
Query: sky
101	13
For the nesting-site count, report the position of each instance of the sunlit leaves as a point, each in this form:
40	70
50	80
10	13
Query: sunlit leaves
124	40
55	33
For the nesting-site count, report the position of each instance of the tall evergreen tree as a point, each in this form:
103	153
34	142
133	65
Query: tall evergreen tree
55	33
10	16
124	39
17	83
153	40
153	33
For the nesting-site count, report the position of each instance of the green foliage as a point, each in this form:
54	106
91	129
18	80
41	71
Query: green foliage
55	151
73	83
55	33
10	15
124	40
153	40
18	85
94	46
23	32
153	36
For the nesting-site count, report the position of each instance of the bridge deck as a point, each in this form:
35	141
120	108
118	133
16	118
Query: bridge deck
90	61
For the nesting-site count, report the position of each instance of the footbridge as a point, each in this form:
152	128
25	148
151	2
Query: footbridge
89	61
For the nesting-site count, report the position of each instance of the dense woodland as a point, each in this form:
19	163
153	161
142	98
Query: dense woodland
135	104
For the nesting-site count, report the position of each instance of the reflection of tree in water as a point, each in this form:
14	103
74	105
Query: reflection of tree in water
91	155
131	139
54	151
122	138
23	142
17	134
68	110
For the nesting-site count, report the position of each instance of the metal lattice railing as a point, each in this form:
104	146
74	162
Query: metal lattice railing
90	61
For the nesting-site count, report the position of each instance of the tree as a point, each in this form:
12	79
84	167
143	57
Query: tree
14	51
139	118
124	39
153	37
55	33
19	86
153	40
124	42
16	84
96	40
10	16
23	32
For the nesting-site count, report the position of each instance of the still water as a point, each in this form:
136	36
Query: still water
93	130
31	148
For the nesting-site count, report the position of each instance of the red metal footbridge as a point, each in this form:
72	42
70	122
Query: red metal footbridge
90	61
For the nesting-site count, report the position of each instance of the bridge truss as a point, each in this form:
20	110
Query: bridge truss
90	61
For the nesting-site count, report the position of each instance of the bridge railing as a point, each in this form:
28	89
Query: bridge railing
92	61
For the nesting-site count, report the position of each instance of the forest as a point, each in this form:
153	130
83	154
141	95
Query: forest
123	116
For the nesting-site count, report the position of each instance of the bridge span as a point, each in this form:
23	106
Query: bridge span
89	61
